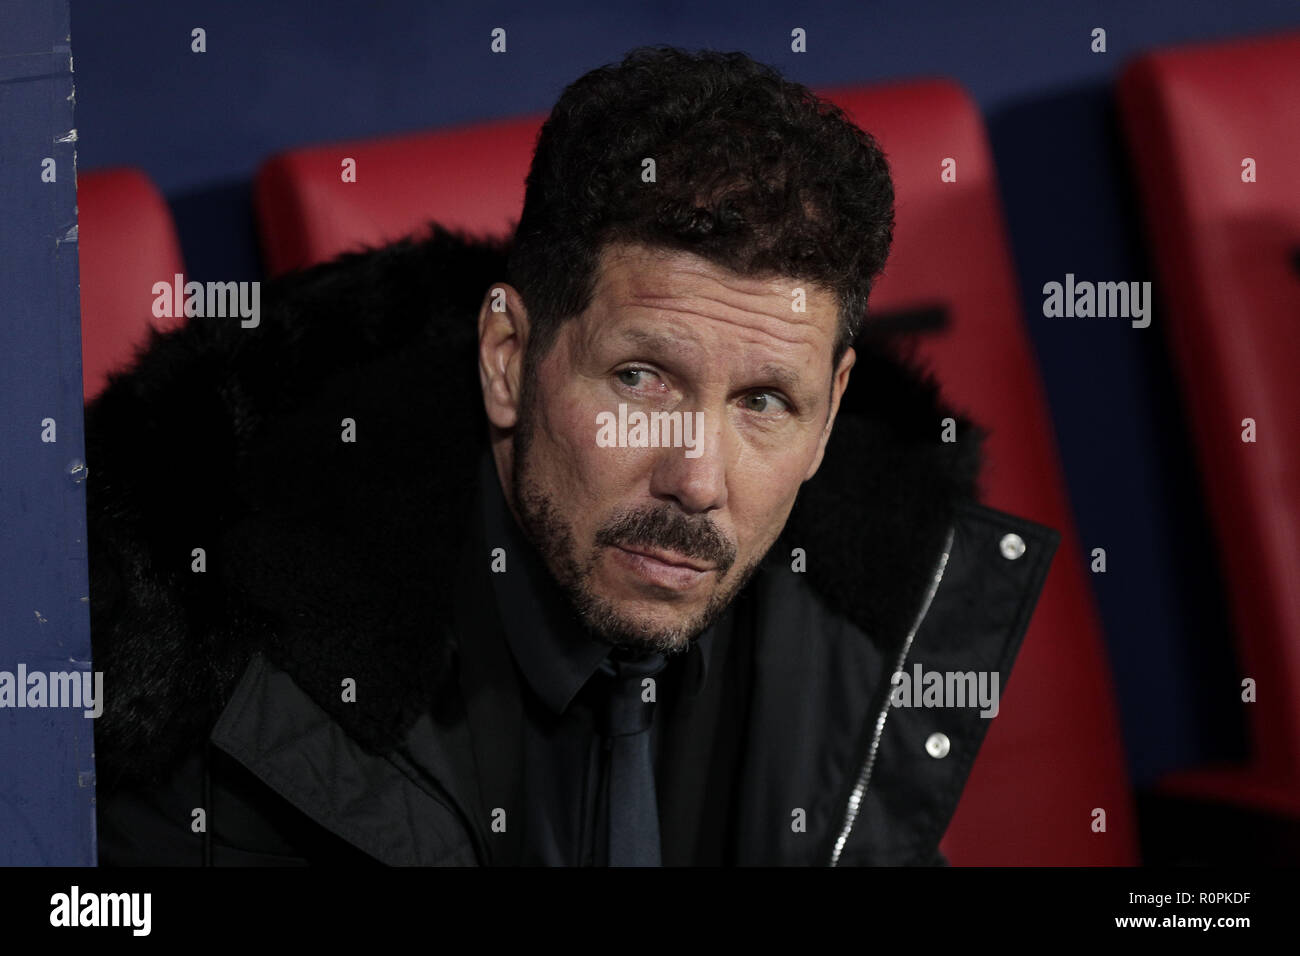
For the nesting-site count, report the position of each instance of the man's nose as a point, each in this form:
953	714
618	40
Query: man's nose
697	481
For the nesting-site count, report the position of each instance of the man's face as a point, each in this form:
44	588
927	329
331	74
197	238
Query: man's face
652	543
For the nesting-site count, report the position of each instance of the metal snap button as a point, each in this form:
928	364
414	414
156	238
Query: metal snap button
1012	546
937	745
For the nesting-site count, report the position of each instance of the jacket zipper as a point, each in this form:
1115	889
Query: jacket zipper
864	776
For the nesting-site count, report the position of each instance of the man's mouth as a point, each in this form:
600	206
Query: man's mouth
669	557
666	569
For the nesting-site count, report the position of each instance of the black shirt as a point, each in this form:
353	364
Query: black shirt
696	737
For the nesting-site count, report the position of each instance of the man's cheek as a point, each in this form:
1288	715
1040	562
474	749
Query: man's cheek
765	528
561	422
581	468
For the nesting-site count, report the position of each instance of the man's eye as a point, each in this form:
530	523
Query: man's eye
631	377
763	402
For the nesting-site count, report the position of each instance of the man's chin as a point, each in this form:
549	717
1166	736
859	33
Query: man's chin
642	624
626	627
627	611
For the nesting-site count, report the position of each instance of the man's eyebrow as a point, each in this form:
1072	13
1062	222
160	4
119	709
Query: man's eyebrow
651	339
782	376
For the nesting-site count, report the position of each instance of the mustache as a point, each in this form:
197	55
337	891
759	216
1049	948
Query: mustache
671	531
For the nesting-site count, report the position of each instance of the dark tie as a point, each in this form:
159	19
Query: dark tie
633	808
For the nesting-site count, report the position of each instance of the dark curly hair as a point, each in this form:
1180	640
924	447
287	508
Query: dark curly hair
754	173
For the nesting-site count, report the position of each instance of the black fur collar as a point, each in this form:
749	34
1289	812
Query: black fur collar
334	558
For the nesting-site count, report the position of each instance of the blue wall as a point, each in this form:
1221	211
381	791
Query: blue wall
302	71
46	767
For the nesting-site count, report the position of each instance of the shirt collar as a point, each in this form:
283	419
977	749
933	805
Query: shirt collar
550	643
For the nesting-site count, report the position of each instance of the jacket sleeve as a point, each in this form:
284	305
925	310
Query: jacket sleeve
244	822
153	825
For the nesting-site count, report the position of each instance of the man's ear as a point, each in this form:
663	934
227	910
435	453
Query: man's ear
838	384
502	340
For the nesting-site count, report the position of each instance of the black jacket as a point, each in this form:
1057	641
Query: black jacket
226	737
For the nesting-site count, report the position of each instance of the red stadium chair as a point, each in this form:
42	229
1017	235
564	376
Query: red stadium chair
1054	754
1228	253
127	242
470	178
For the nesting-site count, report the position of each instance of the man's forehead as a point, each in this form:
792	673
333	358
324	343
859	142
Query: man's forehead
634	278
630	270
